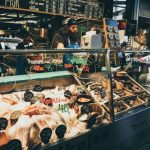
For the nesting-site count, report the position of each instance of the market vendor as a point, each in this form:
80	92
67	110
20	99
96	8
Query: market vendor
70	40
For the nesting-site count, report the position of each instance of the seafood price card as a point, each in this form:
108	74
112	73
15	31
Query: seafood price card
78	62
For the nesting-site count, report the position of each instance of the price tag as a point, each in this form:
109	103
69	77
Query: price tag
64	108
76	9
38	68
14	145
46	135
3	123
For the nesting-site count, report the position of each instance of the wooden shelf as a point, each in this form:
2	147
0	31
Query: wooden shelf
21	10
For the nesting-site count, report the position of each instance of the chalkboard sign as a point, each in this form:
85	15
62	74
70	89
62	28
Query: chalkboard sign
2	2
47	5
39	5
58	6
3	123
79	8
15	3
95	10
14	145
12	3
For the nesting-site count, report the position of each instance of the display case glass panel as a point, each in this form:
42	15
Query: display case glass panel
131	92
53	95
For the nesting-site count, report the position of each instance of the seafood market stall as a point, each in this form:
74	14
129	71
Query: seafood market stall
46	108
83	106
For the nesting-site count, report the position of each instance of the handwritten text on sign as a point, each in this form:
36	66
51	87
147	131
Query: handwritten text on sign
12	3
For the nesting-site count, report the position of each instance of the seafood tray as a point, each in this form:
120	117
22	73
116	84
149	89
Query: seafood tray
47	112
127	93
98	88
131	87
125	104
127	83
117	84
134	102
119	107
118	94
145	97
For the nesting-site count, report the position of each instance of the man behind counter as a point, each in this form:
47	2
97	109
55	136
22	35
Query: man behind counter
71	38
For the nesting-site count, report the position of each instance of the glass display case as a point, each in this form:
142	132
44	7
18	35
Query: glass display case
139	63
52	96
131	92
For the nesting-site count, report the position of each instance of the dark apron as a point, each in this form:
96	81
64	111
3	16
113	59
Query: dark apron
67	58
